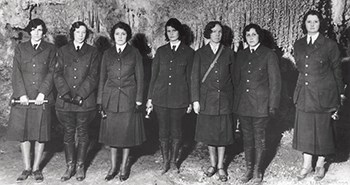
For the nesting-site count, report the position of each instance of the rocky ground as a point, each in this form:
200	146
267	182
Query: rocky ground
282	162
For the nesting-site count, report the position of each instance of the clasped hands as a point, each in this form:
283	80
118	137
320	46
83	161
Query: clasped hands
39	100
76	100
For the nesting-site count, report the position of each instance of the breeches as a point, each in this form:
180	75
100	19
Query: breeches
170	120
253	129
75	122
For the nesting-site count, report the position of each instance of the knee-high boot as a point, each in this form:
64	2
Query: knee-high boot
164	146
81	155
69	149
258	168
174	155
249	157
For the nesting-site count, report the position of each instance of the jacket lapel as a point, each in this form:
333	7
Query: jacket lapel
317	44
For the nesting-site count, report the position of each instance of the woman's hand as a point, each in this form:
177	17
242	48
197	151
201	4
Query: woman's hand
24	100
39	100
189	109
196	107
149	106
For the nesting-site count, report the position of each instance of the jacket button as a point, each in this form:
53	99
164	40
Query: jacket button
169	83
33	83
306	74
170	76
75	69
306	56
75	77
306	83
306	65
249	63
249	71
74	86
216	71
248	81
34	73
169	69
247	90
171	61
118	78
119	88
33	65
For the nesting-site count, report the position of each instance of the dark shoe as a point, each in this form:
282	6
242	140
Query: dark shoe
70	171
80	172
223	175
247	176
303	173
24	175
124	174
211	170
174	155
319	173
257	177
111	174
38	176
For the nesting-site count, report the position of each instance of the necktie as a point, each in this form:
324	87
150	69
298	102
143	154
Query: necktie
310	40
119	50
78	48
34	46
173	48
252	50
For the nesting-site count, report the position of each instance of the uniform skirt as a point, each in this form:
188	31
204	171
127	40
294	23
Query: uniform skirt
122	129
313	133
26	124
214	130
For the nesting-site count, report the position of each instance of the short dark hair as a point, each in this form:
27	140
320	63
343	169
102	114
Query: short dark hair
35	23
125	27
75	26
176	24
209	26
257	29
320	18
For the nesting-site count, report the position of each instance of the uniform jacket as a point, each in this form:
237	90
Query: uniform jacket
171	77
33	71
257	82
215	95
121	79
77	72
319	82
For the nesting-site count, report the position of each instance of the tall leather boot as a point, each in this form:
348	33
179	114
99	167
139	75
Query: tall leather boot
259	157
164	147
248	152
174	155
81	155
69	149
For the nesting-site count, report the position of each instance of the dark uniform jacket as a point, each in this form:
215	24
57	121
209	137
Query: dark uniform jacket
319	83
33	71
77	72
215	95
121	79
171	77
257	82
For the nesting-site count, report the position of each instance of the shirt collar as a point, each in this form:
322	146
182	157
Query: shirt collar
214	47
176	44
122	47
314	37
254	47
38	43
80	45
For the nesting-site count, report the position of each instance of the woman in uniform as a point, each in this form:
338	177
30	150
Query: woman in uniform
120	95
212	97
76	83
169	91
32	79
317	94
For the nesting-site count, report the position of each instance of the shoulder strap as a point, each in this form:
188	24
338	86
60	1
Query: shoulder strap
212	64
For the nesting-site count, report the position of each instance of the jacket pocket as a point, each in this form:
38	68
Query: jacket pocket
328	98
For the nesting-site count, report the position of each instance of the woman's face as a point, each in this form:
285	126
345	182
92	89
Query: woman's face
79	34
252	37
120	36
172	33
216	34
37	33
312	24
